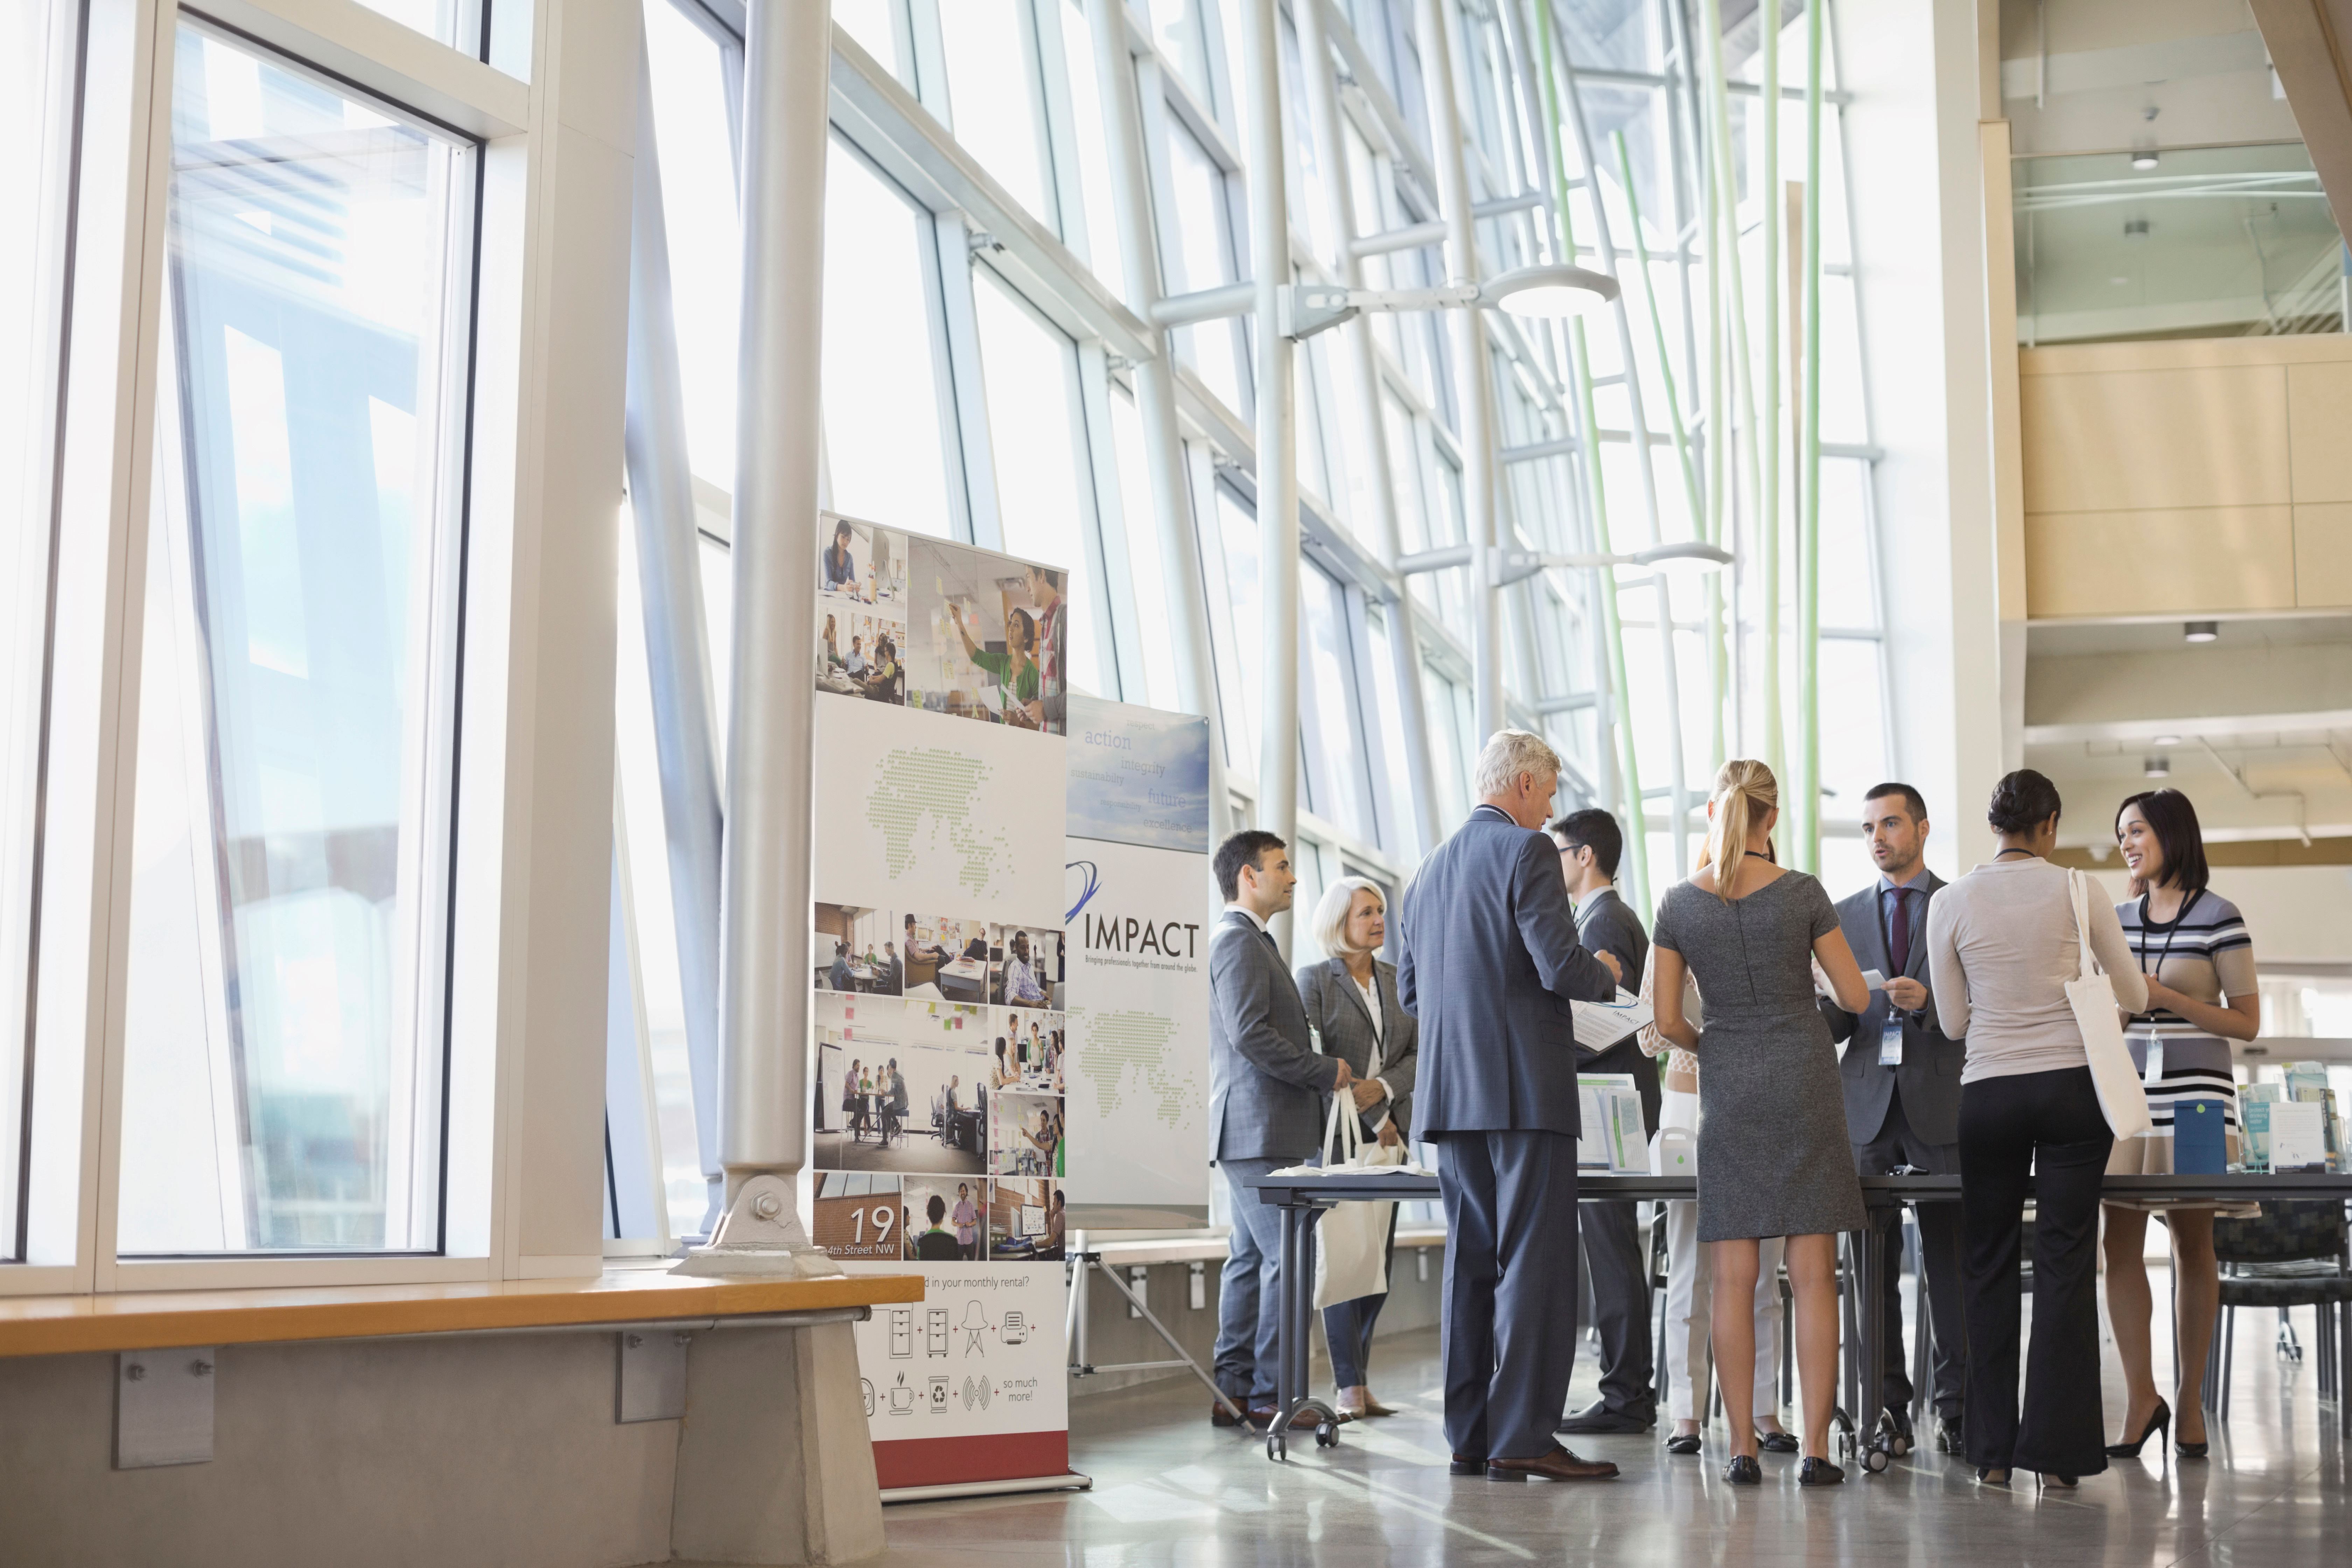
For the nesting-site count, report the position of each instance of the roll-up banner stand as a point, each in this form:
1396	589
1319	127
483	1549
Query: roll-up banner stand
973	1073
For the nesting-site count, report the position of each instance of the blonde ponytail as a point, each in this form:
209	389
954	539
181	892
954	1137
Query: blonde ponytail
1744	791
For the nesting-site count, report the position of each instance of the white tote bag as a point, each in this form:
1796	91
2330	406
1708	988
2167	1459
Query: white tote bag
1352	1238
2097	1014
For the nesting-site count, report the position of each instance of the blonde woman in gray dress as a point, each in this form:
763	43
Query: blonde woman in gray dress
1775	1160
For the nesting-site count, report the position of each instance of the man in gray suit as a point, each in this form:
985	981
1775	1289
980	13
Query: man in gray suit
1902	1080
1615	1251
1488	964
1266	1103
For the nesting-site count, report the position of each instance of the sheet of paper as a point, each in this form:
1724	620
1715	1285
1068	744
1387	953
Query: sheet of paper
2298	1136
1875	980
1604	1142
1600	1025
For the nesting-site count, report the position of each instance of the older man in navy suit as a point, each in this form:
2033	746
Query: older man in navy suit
1489	963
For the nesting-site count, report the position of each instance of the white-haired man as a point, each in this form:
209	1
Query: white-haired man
1490	962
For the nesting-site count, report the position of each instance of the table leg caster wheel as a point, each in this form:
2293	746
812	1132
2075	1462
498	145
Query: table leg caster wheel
1326	1434
1276	1447
1876	1461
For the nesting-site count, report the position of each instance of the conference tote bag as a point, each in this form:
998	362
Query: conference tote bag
1352	1238
2097	1014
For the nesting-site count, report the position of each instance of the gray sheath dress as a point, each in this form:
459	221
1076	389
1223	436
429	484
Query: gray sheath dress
1774	1160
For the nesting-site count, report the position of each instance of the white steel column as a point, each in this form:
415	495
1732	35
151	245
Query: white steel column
763	988
669	579
1359	372
1472	375
1278	450
1155	391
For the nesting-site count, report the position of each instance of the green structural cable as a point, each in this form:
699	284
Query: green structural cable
1808	517
1768	499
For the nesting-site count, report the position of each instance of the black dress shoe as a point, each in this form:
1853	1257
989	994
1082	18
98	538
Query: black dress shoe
1899	1422
1597	1418
1819	1472
1777	1442
1948	1436
1744	1471
1683	1443
1465	1466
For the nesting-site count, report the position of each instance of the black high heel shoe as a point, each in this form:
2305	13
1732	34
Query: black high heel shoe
2051	1478
1744	1471
2192	1450
1991	1476
2156	1423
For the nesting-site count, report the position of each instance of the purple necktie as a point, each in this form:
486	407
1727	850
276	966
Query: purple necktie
1898	946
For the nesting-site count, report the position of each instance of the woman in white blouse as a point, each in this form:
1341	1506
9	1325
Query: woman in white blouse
1351	1001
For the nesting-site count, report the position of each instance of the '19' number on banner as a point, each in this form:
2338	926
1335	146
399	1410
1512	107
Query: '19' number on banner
885	1216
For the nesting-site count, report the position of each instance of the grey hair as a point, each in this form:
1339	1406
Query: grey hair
1509	753
1332	914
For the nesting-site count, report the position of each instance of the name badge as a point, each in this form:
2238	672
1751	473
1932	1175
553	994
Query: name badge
2155	1059
1315	1039
1890	1045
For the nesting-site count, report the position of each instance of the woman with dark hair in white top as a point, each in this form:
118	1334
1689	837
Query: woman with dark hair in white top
2192	945
2003	942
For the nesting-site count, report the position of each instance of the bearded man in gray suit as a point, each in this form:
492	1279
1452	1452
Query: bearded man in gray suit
1268	1089
1901	1074
1489	962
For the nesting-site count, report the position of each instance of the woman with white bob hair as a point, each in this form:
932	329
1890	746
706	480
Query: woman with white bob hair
1352	1000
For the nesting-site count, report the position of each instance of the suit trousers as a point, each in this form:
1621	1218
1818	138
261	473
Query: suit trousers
2048	1125
1617	1260
1249	1292
1939	1250
1348	1325
1510	1289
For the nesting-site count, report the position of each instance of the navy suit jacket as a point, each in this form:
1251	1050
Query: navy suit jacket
1930	1077
1488	963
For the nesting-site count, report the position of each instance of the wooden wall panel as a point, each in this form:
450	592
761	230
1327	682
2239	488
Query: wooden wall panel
2123	440
2155	562
2323	556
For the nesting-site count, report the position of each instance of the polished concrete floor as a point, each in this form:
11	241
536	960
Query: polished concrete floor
1171	1489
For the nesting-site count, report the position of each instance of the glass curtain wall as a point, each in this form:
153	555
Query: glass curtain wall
978	385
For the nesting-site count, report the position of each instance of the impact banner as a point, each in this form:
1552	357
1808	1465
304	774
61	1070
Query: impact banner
1136	930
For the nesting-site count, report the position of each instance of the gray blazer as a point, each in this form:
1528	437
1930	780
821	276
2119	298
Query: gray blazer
1336	1006
1604	925
1266	1086
1488	963
1930	1077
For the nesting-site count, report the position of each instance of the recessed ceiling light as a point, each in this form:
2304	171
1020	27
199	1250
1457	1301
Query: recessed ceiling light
2168	740
2157	768
2200	631
2143	159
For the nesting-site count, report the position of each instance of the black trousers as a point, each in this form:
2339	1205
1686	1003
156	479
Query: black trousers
2047	1125
1616	1259
1939	1246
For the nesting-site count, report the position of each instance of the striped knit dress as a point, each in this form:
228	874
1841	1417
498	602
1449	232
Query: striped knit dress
2205	954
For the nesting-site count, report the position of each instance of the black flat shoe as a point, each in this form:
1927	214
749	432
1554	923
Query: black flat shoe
1948	1439
1744	1471
1819	1472
1777	1442
2155	1423
1688	1443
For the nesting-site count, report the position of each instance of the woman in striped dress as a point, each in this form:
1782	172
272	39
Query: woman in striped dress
2192	945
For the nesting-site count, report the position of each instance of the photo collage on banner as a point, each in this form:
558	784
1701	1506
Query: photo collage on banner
940	980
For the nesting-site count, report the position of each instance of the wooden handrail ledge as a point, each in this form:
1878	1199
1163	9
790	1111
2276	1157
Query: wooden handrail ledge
61	1325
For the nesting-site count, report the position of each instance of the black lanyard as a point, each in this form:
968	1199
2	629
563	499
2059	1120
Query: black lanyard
2145	926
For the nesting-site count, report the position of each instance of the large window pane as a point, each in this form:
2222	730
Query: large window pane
991	73
283	1037
881	405
1335	764
695	148
1204	259
1236	635
1155	606
1037	427
34	109
1101	235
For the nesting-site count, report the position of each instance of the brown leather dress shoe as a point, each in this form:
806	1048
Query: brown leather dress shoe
1559	1464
